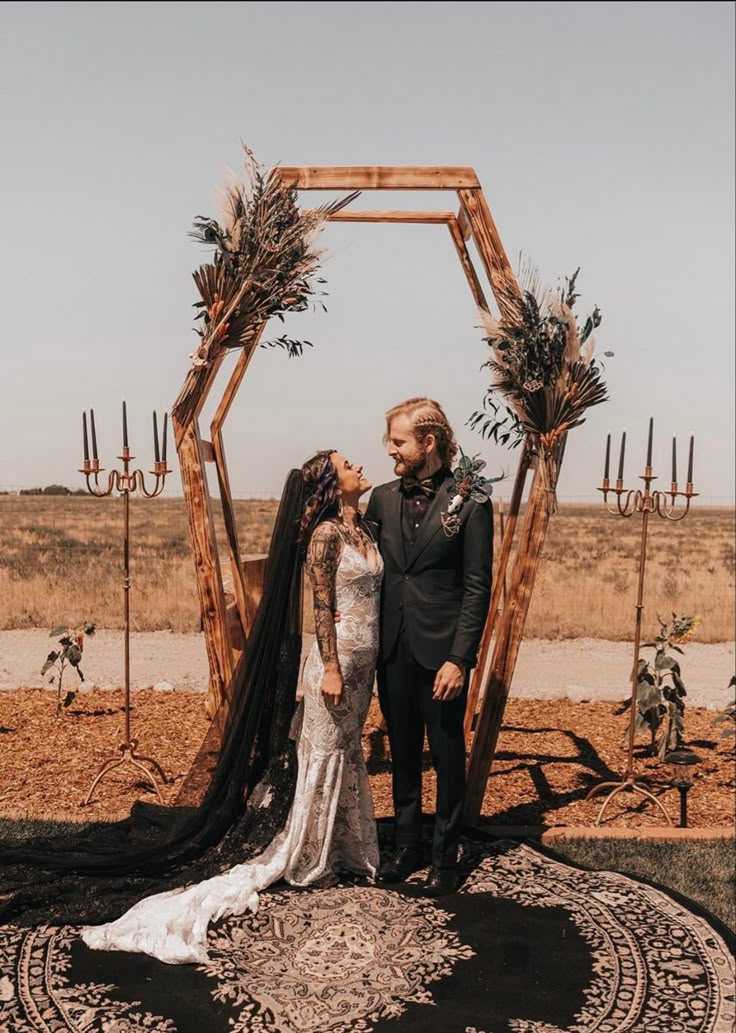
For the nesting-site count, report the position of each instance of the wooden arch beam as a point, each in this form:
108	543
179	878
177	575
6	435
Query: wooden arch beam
378	177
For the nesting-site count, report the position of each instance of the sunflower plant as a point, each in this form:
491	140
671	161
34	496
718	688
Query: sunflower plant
660	690
71	641
727	716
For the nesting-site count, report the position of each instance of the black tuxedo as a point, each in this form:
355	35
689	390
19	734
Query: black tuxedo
434	604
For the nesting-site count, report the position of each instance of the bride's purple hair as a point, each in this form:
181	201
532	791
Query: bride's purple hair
320	493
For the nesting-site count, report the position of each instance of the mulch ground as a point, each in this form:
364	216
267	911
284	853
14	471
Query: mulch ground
549	754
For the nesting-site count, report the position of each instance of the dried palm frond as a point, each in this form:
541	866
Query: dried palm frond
528	278
543	370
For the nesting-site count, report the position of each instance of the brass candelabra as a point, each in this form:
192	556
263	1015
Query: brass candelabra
125	481
628	502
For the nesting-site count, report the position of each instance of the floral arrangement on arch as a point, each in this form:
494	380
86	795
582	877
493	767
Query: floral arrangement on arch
265	263
544	375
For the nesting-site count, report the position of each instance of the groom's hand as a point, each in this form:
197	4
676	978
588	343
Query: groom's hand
449	681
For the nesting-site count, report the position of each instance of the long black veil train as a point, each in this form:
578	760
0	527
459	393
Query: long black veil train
93	876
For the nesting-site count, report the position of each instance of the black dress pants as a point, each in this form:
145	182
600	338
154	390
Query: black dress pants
405	695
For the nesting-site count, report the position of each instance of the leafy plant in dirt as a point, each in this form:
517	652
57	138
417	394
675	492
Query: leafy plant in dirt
71	641
660	691
727	716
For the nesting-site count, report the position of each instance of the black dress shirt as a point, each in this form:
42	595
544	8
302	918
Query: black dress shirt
417	498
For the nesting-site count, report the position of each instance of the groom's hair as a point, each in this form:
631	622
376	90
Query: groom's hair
427	417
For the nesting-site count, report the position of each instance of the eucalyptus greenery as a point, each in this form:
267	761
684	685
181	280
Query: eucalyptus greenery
71	641
660	690
468	479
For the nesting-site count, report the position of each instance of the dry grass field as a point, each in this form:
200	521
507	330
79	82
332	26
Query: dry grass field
60	561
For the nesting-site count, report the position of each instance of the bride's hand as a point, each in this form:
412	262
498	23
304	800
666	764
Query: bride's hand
332	686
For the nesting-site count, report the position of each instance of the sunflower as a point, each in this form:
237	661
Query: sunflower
683	628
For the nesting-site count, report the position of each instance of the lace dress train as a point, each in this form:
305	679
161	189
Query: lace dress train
331	824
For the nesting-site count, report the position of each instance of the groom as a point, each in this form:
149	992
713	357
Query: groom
436	591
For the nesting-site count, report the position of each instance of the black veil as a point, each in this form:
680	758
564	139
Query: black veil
95	875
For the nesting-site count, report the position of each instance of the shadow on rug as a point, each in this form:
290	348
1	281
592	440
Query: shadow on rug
529	944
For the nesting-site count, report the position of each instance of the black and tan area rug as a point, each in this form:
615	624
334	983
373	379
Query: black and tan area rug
528	945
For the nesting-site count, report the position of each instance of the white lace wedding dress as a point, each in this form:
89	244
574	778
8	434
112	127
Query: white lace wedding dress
331	824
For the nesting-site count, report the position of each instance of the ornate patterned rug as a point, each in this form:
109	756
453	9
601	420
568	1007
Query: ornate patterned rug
528	945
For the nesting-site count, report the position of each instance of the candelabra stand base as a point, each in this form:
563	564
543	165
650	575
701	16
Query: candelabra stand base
129	756
627	785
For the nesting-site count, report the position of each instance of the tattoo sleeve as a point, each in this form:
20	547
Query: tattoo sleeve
323	556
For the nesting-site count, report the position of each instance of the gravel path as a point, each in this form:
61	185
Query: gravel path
579	669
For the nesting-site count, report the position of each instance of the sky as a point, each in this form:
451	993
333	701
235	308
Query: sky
602	135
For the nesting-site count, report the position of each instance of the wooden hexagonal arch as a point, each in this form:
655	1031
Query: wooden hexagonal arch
226	628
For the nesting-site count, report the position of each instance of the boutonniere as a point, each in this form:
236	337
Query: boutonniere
468	485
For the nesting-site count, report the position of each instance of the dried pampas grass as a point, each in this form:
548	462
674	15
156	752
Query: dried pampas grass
544	375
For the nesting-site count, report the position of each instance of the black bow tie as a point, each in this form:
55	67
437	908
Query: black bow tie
415	486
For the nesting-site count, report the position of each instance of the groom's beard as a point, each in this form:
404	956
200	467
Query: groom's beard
410	466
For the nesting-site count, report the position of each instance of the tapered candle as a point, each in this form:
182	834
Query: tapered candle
690	461
674	460
650	441
125	426
155	439
84	435
608	457
621	457
94	433
163	449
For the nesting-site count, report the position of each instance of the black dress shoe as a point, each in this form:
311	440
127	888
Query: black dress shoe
442	881
401	865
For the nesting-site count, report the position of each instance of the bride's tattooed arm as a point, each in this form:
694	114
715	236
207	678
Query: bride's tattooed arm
323	556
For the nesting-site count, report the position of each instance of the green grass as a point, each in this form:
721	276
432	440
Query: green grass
703	870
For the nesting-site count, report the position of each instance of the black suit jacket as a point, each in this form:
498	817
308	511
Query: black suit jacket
440	589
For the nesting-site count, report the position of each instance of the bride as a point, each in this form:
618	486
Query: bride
330	825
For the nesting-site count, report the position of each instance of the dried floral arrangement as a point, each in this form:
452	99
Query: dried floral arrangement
265	263
544	375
